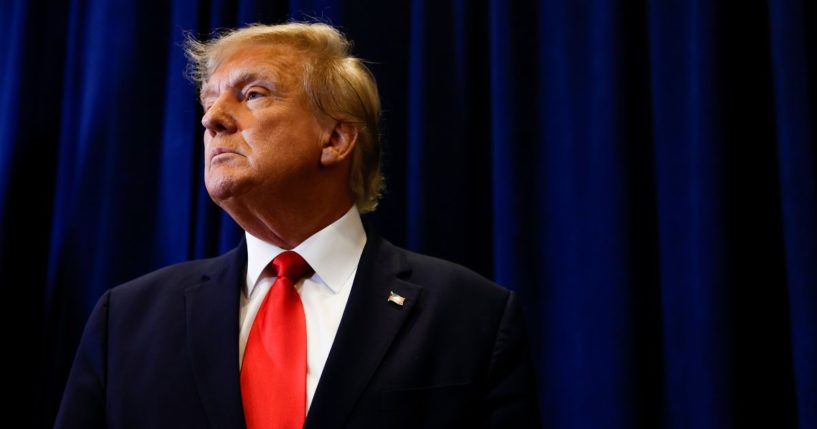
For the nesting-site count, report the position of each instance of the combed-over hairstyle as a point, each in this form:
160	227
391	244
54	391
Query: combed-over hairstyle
336	84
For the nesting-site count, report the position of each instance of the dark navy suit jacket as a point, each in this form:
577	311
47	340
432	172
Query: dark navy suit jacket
162	351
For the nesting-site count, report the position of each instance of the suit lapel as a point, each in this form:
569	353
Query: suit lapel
211	306
366	331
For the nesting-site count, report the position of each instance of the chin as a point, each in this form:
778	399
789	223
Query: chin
221	189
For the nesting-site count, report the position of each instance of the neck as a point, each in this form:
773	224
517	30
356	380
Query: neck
286	225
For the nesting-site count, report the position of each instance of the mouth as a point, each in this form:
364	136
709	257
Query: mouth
221	152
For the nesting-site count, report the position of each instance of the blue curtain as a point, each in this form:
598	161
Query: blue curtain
643	173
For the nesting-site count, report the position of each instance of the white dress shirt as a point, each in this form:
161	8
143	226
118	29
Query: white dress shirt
334	253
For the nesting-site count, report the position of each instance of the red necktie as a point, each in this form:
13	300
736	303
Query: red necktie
273	374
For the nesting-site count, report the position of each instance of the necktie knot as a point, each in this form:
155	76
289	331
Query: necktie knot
291	265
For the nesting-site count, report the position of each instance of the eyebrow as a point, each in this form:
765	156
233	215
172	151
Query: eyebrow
241	78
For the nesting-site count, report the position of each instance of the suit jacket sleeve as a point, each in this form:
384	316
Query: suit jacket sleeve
511	397
83	404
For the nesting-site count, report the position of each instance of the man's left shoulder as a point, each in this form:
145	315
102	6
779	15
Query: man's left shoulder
447	280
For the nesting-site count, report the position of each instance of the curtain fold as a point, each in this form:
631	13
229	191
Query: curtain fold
792	65
690	195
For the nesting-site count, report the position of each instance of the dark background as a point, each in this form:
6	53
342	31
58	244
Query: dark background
641	172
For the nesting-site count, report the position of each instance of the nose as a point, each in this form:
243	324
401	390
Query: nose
219	119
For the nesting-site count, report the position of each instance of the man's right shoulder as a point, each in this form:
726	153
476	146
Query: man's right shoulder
177	278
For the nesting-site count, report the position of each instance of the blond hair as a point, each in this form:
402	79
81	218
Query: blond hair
336	84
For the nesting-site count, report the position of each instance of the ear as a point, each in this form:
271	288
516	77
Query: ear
341	143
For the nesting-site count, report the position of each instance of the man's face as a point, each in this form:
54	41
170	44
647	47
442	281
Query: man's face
261	138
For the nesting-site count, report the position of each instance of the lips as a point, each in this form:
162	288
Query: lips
221	151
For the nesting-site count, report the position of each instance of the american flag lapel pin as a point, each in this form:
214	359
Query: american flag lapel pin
397	299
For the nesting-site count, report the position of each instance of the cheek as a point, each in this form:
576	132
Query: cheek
248	137
259	144
284	141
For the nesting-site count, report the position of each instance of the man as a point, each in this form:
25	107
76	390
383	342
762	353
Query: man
313	320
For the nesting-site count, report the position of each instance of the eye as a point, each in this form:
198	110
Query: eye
253	94
206	103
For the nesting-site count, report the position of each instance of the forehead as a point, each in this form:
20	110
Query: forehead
278	63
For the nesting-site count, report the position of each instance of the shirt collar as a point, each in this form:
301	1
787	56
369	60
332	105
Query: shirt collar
332	252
